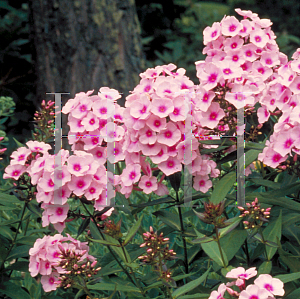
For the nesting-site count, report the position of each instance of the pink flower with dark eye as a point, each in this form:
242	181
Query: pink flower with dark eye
204	99
79	184
48	282
148	184
131	174
295	85
273	285
77	166
162	107
202	183
211	33
259	38
231	26
212	116
141	108
210	76
156	123
20	156
240	272
170	166
170	135
219	293
14	171
90	122
254	292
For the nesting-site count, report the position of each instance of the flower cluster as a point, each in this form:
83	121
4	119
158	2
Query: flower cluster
44	120
155	117
79	175
59	259
264	287
255	215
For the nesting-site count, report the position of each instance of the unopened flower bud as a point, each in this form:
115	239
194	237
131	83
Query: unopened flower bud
93	264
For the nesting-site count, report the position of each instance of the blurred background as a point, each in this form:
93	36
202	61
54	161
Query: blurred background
80	45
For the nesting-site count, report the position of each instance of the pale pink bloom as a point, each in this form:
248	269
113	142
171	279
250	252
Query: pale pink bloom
34	265
99	153
162	107
48	282
57	213
167	89
45	267
262	22
239	98
102	201
211	33
147	136
20	156
82	109
42	196
92	140
46	183
71	104
202	183
80	184
141	108
259	70
284	143
246	13
161	156
36	146
14	171
112	133
90	122
296	55
269	101
249	52
93	191
100	109
241	273
263	114
231	26
269	59
77	165
236	57
286	76
271	158
145	86
254	292
170	135
148	184
156	123
259	38
247	28
204	99
131	174
107	214
295	65
219	293
151	149
60	196
61	176
233	43
152	72
229	70
212	116
272	285
161	190
170	166
180	109
109	94
283	99
210	77
295	85
116	153
75	124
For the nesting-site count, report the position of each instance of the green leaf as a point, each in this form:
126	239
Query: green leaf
202	238
84	224
195	296
14	291
34	208
265	268
288	277
291	261
233	223
6	198
212	250
158	201
271	233
251	156
20	251
19	144
6	232
254	145
168	218
266	183
19	266
233	241
223	187
190	285
104	286
118	250
294	295
94	231
105	242
26	240
132	231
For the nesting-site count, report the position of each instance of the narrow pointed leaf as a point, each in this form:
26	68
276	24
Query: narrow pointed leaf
132	231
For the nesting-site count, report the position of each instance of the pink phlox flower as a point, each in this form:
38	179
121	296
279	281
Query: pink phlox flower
284	143
259	70
210	77
295	85
180	109
46	183
271	158
246	28
273	285
229	70
14	171
169	136
93	191
246	13
99	153
77	166
90	122
156	123
233	43
262	22
75	124
141	108
148	184
61	175
79	184
57	213
241	273
170	166
204	99
219	293
212	116
49	282
20	156
82	109
115	154
38	147
92	140
145	86
254	292
202	183
249	52
147	136
152	72
295	65
110	94
211	33
231	26
259	38
71	104
235	57
269	59
131	174
162	107
161	156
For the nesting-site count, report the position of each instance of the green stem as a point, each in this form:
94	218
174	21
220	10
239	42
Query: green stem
265	245
169	292
219	245
112	253
123	250
15	238
247	253
183	237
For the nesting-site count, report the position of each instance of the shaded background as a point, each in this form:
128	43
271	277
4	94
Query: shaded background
73	46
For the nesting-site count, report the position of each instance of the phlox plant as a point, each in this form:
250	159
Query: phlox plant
139	155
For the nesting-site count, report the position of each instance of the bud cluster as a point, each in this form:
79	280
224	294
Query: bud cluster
72	264
44	119
112	229
156	248
213	214
255	215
